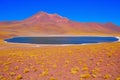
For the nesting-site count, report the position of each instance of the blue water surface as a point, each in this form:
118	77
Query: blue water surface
62	40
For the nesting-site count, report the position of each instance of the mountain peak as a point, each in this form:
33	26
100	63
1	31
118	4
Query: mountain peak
42	13
110	24
46	17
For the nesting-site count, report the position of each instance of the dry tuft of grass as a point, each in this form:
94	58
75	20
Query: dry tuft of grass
12	73
84	76
16	67
26	70
44	73
52	78
74	70
107	76
19	77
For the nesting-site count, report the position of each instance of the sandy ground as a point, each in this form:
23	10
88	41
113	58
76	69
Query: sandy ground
73	62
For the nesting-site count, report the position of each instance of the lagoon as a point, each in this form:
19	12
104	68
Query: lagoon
62	40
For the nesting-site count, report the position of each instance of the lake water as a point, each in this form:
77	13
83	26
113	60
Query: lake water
61	40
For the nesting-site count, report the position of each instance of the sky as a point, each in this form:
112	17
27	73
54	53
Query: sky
77	10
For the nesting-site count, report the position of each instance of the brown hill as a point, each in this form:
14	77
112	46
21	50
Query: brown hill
44	23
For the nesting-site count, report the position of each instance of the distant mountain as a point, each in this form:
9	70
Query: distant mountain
44	23
45	17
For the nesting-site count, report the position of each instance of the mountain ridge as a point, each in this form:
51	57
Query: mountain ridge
44	23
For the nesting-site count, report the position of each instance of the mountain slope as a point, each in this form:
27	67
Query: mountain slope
44	23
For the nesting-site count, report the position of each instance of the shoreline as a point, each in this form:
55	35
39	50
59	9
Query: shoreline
39	45
63	36
118	38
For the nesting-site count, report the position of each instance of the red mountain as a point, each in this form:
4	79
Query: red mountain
44	23
44	17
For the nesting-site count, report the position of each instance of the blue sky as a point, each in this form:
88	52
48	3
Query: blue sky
77	10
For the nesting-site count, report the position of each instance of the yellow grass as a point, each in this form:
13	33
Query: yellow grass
76	62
